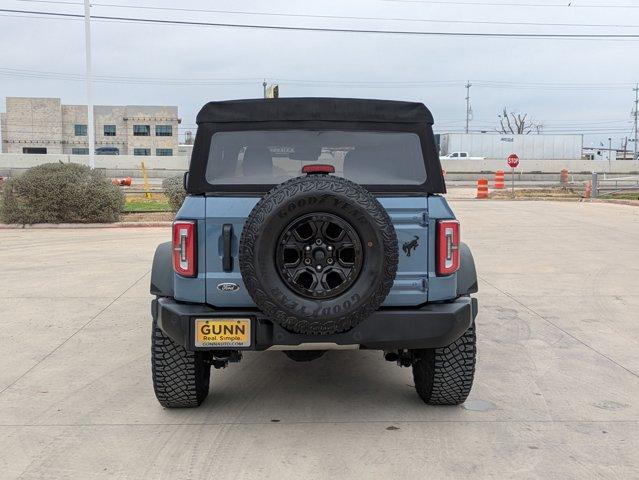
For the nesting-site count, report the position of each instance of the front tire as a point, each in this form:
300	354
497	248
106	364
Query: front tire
180	378
444	376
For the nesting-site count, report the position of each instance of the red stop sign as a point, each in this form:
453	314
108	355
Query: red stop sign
513	160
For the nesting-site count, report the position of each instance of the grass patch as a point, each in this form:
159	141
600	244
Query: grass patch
623	196
545	193
141	205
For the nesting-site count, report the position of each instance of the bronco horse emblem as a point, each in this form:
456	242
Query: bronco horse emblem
412	245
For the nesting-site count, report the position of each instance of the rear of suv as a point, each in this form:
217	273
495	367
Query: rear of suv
313	224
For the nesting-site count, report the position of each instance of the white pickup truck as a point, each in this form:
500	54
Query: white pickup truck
461	155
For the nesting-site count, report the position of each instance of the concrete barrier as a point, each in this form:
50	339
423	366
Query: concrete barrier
541	166
161	167
534	178
113	165
113	162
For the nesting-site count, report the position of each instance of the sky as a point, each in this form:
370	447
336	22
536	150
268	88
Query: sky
566	85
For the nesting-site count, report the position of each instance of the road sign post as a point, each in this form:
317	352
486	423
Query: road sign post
513	162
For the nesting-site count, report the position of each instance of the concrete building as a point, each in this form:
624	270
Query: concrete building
45	125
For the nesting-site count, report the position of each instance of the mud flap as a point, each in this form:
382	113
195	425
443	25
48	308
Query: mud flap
162	271
467	275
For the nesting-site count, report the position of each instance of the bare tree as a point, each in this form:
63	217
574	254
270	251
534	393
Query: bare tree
516	123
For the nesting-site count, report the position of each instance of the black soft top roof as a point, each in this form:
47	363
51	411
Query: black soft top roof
314	109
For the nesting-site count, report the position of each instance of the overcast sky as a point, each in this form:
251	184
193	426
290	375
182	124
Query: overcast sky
342	64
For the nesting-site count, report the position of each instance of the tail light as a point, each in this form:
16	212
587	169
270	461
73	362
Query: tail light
185	248
447	247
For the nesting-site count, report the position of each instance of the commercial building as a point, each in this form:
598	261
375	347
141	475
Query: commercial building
45	125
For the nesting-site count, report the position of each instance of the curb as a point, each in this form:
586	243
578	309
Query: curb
538	199
616	201
82	226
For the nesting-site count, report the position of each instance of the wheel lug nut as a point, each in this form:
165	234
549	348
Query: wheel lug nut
329	248
307	261
329	260
307	248
319	268
318	241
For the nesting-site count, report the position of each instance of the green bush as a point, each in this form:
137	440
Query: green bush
61	193
174	190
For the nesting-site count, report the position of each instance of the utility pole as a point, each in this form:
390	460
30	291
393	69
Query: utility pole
625	147
636	114
468	109
609	154
87	49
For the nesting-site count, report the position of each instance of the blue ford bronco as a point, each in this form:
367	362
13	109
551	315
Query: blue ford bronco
313	224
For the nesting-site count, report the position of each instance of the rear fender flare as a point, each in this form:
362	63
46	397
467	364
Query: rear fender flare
162	271
467	274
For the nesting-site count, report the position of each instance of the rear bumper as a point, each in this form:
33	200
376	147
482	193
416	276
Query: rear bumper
430	326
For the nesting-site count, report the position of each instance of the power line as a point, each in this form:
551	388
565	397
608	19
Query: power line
438	126
510	4
555	128
331	17
574	36
486	125
40	74
121	80
573	123
494	129
553	84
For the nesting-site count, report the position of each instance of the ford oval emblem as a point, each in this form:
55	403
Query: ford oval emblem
228	287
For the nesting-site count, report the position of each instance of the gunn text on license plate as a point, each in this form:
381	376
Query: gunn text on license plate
223	332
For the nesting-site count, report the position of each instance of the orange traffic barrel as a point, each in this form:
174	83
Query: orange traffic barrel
564	176
499	179
482	188
588	190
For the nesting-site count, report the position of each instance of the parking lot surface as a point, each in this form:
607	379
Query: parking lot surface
556	394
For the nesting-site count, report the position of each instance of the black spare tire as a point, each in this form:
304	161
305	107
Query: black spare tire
318	254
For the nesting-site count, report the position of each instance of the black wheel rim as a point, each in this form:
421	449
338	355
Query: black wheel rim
319	255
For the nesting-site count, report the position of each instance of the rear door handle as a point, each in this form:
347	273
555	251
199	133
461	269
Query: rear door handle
227	237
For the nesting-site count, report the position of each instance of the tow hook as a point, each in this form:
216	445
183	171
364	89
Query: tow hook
220	359
402	357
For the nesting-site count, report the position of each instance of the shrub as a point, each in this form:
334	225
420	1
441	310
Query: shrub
174	190
61	192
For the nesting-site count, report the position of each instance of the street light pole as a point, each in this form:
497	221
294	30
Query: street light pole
468	85
87	50
636	114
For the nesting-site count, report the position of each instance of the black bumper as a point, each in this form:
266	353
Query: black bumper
430	326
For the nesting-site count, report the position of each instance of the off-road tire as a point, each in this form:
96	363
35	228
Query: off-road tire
307	195
444	376
180	378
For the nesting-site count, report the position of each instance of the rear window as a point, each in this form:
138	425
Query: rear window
272	156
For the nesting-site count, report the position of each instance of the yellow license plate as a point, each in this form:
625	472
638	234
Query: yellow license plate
223	332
